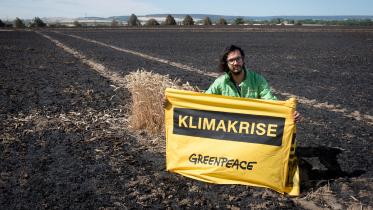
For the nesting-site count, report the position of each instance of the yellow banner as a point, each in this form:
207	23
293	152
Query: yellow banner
230	140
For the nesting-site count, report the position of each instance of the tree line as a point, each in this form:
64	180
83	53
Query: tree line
189	21
18	23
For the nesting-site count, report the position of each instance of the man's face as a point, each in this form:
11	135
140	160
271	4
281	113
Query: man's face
235	62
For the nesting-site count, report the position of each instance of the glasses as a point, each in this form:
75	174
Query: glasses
237	59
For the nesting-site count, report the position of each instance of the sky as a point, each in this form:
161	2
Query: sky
28	9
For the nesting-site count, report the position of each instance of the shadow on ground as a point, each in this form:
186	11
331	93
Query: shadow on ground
319	165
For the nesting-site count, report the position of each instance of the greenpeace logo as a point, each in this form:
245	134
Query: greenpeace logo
229	126
221	162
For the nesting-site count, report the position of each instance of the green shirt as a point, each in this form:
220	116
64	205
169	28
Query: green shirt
253	86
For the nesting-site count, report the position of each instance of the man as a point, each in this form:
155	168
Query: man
239	81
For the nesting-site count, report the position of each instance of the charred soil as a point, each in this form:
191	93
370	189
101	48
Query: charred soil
64	141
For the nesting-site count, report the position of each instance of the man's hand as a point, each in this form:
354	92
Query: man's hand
297	117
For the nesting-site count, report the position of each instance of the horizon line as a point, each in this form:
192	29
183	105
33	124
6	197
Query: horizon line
188	14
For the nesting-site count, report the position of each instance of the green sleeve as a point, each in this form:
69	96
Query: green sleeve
214	88
265	90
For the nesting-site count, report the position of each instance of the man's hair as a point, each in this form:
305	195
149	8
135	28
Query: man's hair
223	63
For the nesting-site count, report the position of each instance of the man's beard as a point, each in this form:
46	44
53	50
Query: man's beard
237	72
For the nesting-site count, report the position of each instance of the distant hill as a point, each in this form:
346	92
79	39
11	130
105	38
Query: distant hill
120	18
231	18
179	17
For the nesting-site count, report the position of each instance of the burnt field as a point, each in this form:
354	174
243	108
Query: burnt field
64	142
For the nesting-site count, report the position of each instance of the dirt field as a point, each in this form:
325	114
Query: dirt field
64	143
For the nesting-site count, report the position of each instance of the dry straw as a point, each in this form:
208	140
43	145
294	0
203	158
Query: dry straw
147	89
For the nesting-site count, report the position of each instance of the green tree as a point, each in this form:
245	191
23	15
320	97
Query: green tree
55	25
277	21
170	20
366	22
250	21
207	21
239	21
77	24
37	22
114	23
2	24
133	21
188	21
152	22
18	23
222	21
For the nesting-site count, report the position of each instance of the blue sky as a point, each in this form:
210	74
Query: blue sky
9	9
